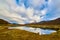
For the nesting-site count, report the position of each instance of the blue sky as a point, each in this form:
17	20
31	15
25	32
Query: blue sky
28	11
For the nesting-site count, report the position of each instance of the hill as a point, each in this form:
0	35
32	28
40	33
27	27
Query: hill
51	22
3	21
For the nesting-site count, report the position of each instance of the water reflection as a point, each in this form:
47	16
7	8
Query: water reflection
35	30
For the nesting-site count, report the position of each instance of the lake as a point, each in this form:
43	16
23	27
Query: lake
34	30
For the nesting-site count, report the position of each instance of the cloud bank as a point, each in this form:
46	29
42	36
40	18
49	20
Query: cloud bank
28	11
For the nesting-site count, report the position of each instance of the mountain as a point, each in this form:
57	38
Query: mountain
3	21
51	22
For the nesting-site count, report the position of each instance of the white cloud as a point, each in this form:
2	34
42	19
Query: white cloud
29	12
44	11
54	9
10	11
5	14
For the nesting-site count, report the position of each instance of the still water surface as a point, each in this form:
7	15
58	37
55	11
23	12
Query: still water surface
34	30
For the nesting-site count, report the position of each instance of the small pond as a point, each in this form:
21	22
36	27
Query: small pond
34	30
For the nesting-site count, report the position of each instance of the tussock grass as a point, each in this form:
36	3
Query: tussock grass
6	34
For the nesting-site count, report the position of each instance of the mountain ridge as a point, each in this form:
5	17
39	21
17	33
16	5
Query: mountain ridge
51	22
2	21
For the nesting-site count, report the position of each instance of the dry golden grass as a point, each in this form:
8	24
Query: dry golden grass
6	34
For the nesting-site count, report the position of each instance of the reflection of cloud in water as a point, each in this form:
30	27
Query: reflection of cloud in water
34	30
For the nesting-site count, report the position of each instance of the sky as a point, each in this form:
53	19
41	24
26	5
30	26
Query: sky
28	11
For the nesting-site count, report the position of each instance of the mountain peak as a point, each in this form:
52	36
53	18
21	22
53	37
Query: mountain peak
58	19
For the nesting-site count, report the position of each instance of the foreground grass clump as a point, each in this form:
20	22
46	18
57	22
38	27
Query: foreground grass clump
6	34
18	35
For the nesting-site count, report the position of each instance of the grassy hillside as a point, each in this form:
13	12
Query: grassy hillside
3	22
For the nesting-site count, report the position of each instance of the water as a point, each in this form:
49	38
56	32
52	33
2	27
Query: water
34	30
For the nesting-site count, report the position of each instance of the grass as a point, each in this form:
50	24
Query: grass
53	27
6	34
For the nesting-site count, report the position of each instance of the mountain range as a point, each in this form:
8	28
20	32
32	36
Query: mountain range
51	22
